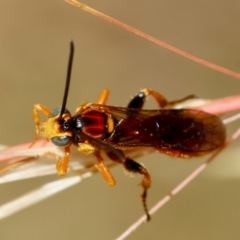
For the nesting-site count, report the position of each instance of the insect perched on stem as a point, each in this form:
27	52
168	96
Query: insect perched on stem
99	127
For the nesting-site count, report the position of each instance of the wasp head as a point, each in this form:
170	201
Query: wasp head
57	128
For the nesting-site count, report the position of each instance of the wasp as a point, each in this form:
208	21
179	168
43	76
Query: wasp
97	127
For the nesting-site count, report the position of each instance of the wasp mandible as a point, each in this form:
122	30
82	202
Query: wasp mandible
97	127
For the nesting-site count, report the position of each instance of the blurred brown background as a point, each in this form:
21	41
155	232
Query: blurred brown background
34	37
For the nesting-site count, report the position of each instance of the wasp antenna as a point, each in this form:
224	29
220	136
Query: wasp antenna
69	71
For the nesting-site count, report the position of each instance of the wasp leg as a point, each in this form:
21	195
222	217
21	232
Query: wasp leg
103	97
43	110
175	102
13	165
103	169
135	167
138	101
62	164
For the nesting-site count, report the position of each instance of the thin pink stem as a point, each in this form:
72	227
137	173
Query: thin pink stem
221	106
155	40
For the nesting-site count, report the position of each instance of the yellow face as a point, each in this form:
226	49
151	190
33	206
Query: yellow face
51	130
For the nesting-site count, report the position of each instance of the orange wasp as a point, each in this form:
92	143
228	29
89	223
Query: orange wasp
99	127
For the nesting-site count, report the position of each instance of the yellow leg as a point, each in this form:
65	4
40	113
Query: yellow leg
62	164
43	110
173	103
162	101
103	169
16	164
102	99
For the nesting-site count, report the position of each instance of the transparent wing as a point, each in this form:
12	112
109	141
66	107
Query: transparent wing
185	130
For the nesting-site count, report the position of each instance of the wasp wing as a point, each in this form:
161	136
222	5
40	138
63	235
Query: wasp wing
184	131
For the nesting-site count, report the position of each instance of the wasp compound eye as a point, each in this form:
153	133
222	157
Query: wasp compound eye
61	141
56	112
